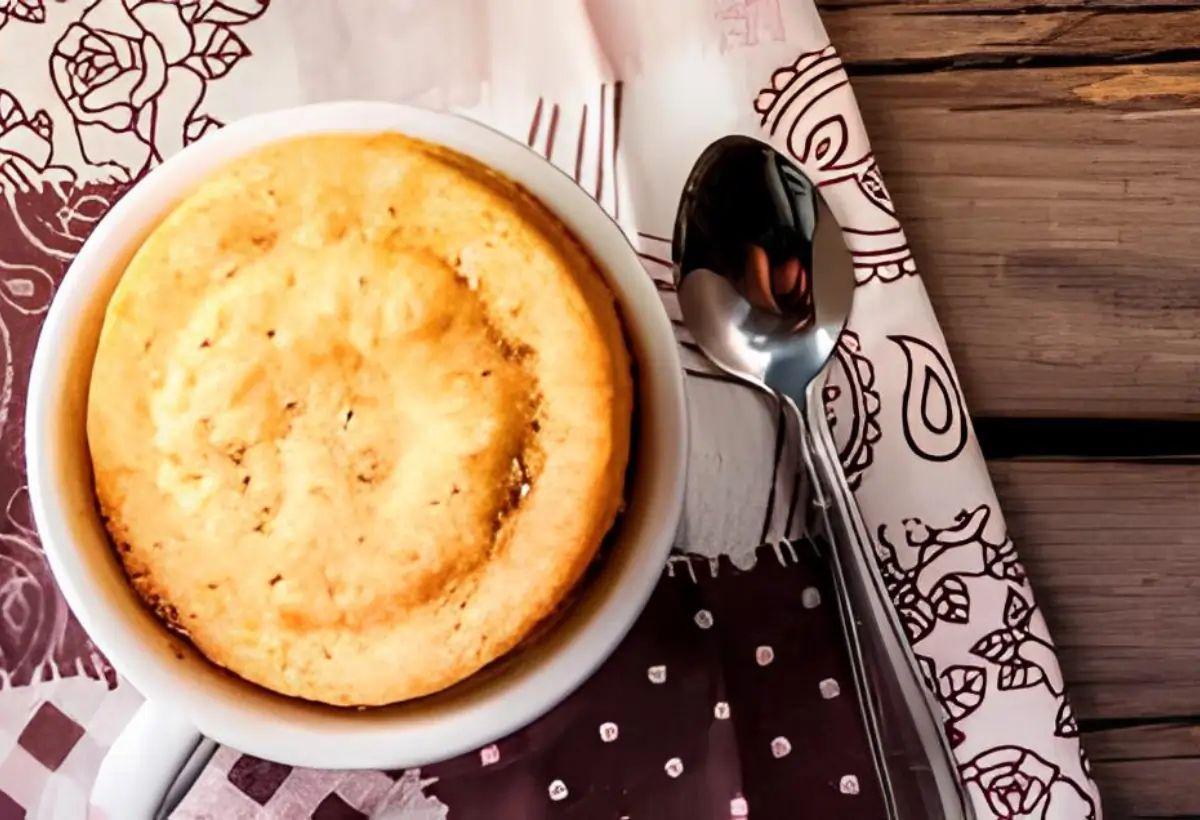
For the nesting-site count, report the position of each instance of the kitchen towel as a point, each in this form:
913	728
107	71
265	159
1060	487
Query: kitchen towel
731	698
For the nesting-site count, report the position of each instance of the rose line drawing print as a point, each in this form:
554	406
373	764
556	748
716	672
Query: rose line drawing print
133	75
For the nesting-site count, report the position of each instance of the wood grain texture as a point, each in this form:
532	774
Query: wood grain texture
1013	6
1113	551
1114	554
1147	771
1137	789
904	36
1052	212
1044	160
1164	741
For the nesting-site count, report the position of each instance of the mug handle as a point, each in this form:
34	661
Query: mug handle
146	762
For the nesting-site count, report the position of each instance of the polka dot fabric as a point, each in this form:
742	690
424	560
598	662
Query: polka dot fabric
720	704
736	714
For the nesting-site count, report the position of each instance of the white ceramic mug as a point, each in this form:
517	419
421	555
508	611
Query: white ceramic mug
187	696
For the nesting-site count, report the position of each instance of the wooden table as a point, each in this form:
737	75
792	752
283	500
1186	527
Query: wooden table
1045	157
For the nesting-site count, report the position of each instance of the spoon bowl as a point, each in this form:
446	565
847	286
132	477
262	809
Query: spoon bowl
747	219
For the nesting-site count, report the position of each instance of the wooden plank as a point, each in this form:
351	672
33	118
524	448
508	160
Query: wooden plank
1147	771
897	35
1113	552
1014	6
1166	741
1052	212
1137	789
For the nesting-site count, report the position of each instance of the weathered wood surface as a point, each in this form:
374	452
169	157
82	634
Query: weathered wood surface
1012	6
1114	554
1139	766
1053	213
1164	788
1044	155
899	35
1051	207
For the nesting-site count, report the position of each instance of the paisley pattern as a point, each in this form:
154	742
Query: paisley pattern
803	110
935	417
854	407
951	579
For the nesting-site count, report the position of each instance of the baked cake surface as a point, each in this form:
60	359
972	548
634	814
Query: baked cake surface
359	417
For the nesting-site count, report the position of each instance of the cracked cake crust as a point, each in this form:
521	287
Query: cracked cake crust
359	417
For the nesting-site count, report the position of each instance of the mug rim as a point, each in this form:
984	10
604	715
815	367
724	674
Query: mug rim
360	742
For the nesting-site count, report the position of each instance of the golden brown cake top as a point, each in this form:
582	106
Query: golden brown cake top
359	417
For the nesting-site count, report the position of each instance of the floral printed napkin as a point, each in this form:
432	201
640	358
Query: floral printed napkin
727	700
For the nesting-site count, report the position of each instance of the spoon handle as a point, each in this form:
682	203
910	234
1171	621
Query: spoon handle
916	768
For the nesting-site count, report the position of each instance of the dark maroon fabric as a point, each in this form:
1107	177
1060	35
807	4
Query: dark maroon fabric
723	760
50	736
334	807
41	229
258	779
10	809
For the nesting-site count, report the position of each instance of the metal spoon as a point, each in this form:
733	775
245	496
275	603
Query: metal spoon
764	280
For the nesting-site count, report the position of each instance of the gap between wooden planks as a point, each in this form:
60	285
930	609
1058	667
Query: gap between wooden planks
1113	551
1052	209
1050	194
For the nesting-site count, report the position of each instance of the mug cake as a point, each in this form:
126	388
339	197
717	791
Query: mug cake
359	417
